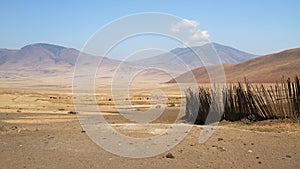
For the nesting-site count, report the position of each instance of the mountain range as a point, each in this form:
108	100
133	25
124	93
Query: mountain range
48	60
42	56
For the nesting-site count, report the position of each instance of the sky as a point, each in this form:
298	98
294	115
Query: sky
256	26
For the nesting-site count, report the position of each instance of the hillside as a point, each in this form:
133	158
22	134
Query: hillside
267	68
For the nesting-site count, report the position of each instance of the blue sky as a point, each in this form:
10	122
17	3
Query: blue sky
256	26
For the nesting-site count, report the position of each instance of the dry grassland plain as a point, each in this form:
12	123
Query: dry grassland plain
38	131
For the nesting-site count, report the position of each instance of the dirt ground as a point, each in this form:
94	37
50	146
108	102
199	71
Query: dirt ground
36	131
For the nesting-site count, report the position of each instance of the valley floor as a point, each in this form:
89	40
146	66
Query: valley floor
37	131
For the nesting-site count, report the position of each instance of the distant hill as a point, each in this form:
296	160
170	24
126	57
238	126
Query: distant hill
188	58
267	68
41	57
42	65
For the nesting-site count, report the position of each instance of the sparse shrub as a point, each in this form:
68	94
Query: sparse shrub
171	105
158	106
72	112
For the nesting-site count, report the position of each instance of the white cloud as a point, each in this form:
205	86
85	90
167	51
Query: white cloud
189	29
184	24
